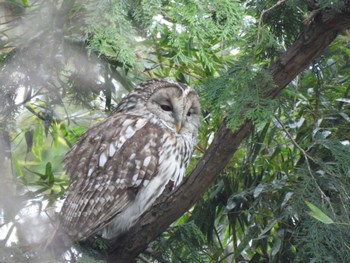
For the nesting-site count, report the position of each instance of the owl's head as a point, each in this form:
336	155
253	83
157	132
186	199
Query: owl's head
173	104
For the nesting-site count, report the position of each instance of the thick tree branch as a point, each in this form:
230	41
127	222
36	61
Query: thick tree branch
309	44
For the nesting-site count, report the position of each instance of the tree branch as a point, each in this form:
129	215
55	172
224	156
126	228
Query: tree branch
309	44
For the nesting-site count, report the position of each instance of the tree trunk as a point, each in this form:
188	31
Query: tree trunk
169	207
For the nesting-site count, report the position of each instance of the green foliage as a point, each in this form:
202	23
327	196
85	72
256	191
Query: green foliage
206	22
340	153
322	237
239	94
284	195
212	27
183	242
277	24
337	4
110	32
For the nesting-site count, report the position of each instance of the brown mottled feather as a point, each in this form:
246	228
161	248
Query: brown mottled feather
87	209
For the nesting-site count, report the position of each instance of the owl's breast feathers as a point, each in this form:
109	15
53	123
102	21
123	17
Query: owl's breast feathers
117	169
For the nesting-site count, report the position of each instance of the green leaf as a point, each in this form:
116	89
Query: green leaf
276	247
25	3
42	176
49	173
318	214
54	126
38	141
17	166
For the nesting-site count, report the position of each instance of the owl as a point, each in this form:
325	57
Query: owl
120	166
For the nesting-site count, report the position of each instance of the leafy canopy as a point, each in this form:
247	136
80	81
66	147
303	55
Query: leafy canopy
283	197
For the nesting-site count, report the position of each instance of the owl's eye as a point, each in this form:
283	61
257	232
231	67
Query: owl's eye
189	113
166	107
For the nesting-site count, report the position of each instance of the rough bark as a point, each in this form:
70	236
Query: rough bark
309	44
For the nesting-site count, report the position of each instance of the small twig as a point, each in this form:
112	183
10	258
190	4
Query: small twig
264	12
293	141
307	158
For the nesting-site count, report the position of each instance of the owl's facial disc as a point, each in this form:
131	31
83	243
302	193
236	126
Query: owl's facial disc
173	106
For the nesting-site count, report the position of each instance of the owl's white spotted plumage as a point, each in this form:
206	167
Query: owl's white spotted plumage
120	166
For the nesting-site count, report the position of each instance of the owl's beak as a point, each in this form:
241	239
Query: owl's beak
178	127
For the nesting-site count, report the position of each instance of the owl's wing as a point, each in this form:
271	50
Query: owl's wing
107	166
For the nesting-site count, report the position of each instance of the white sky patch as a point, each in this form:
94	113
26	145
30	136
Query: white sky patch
234	51
101	79
160	19
116	84
297	123
20	91
346	142
139	39
249	19
4	230
20	95
343	100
